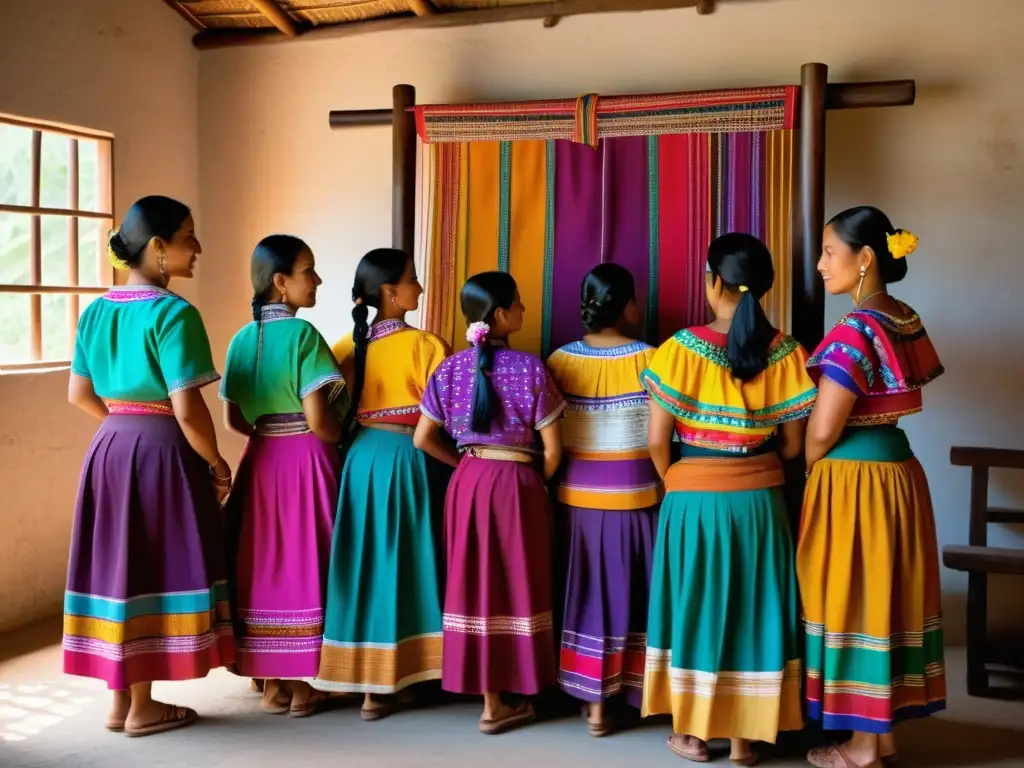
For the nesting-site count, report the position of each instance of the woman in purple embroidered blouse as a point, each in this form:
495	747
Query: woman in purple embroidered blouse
502	409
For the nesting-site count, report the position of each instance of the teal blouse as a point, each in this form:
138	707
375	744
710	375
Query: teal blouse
272	365
141	343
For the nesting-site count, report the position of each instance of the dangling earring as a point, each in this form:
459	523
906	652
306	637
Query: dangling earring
863	271
393	302
161	260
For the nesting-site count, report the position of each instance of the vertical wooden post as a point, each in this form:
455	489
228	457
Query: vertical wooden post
808	289
403	169
977	589
105	201
36	252
73	276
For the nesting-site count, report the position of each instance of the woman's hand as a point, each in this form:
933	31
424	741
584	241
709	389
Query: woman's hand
220	474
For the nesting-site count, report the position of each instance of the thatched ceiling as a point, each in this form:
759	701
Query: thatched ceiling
232	22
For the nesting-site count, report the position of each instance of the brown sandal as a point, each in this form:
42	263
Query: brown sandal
696	754
836	757
520	716
114	726
173	718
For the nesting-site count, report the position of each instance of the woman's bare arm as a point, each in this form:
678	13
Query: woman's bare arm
828	419
551	437
82	395
659	438
432	440
321	417
235	421
791	439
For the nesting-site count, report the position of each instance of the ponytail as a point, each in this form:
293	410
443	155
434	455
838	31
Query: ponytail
257	307
750	338
744	264
485	399
360	339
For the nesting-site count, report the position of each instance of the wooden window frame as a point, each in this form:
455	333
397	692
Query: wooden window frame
73	214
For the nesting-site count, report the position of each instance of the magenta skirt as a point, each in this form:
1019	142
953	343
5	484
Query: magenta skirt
281	516
497	610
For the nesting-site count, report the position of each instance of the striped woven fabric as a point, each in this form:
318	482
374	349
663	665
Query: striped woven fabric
547	211
591	118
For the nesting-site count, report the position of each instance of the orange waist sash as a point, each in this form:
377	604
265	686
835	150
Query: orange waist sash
710	474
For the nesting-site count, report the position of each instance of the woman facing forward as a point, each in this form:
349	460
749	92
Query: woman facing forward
502	409
383	630
611	491
722	652
867	558
279	383
146	594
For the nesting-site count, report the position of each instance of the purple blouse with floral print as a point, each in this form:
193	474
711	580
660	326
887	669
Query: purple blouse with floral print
529	398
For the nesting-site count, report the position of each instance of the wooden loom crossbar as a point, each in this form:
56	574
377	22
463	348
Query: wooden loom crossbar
816	97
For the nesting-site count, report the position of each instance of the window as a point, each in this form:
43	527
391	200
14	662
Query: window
56	203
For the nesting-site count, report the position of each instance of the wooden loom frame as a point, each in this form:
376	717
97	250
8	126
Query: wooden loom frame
816	97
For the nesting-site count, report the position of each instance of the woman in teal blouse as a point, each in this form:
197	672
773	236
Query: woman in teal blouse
146	595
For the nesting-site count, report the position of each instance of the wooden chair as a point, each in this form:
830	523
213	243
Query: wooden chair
979	560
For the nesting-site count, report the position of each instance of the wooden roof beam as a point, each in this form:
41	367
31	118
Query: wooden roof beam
704	7
225	38
276	15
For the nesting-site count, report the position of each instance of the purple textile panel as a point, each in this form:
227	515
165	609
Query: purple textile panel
602	214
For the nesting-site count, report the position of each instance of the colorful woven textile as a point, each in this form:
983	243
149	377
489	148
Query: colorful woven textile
547	211
590	117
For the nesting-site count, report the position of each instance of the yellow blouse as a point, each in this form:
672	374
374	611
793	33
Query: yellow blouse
399	362
690	378
604	430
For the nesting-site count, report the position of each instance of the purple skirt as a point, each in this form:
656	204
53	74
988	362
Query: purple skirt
604	634
282	512
146	593
497	609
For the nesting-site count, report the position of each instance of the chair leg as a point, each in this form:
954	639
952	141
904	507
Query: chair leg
977	634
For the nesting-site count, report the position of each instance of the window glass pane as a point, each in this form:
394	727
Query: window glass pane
56	331
92	252
14	320
15	165
55	250
15	254
53	190
88	180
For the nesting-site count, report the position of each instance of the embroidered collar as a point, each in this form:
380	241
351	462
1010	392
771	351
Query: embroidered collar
386	328
271	312
136	292
582	349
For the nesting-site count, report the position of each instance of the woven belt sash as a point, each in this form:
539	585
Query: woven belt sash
131	408
401	429
282	425
752	473
500	454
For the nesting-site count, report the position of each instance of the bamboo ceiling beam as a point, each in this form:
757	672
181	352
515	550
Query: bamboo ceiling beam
421	7
185	13
273	12
227	38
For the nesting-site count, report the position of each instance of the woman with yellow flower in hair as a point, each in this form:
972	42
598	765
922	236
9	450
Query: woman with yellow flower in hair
867	558
146	595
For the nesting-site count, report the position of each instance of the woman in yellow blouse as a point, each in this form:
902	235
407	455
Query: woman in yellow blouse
722	652
382	630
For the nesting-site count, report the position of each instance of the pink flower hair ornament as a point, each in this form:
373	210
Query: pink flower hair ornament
477	333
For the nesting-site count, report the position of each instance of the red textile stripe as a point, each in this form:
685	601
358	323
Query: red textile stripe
700	214
674	224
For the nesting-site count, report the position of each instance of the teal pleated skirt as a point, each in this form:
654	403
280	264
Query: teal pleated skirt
382	627
722	654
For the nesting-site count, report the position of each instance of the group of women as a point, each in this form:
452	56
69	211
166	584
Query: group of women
423	549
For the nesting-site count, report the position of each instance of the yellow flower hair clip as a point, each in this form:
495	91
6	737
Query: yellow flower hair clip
901	243
115	261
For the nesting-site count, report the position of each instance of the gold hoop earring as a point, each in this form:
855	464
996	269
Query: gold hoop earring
863	272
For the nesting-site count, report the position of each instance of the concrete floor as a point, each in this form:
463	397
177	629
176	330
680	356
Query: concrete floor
50	720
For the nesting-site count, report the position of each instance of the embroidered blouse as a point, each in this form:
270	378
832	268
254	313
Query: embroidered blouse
399	361
604	432
883	360
272	365
690	378
142	343
530	401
